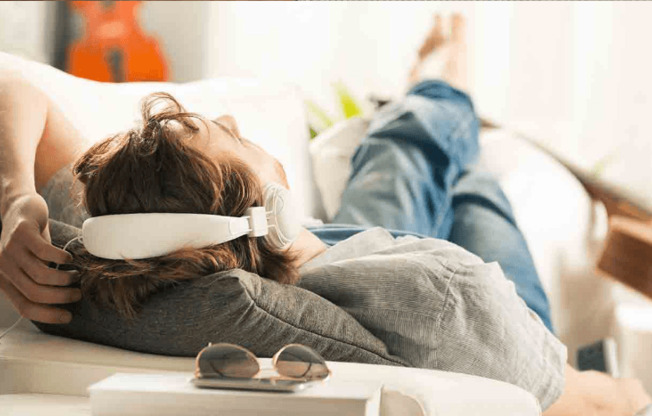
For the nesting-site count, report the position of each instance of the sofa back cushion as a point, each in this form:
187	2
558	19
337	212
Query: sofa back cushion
271	114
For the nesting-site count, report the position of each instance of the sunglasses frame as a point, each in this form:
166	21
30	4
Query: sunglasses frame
251	355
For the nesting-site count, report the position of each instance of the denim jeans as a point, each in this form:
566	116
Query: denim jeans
414	174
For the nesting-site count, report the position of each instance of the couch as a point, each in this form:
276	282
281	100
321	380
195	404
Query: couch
45	374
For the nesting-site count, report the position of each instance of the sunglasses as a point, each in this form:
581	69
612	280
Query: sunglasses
292	362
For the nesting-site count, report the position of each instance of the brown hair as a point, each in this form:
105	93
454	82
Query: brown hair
155	168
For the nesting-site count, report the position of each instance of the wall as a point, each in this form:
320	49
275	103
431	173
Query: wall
183	32
25	27
579	81
315	44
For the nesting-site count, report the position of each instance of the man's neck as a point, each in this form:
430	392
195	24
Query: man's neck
306	247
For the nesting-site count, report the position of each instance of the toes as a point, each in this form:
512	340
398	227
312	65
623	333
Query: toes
434	39
458	27
439	22
437	31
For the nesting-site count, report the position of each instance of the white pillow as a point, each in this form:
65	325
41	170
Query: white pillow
331	153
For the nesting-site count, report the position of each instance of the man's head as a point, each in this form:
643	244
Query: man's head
221	136
176	162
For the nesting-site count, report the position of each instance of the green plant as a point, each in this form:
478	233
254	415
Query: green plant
319	119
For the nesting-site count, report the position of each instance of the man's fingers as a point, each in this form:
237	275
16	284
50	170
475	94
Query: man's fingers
46	314
638	397
41	294
46	251
42	274
34	311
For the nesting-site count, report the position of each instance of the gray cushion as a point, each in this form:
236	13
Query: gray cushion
233	306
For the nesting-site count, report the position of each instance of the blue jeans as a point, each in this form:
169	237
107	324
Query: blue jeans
414	174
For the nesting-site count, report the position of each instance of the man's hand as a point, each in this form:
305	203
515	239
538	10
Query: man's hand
622	396
25	251
590	393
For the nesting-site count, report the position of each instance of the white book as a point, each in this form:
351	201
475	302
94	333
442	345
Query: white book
174	394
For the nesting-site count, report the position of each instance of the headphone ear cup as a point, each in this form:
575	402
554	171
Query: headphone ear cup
283	224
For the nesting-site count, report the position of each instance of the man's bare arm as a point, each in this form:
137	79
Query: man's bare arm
21	127
35	141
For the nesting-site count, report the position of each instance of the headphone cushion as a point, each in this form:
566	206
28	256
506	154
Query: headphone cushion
285	226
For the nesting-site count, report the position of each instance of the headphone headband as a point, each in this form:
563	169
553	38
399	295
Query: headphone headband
139	236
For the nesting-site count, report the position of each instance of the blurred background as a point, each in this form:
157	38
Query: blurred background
573	76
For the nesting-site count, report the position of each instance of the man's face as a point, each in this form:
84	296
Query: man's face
220	135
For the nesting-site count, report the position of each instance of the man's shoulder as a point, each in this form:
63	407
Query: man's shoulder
379	245
358	245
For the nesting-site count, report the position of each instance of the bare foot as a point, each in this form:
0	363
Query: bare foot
443	55
434	40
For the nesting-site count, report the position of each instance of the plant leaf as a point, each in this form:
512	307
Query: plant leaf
598	168
348	104
313	133
318	119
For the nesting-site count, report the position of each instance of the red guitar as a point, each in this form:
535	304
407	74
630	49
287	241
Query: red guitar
114	48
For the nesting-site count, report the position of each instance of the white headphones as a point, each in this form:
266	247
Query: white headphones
141	236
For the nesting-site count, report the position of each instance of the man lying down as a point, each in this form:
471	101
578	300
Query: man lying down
470	292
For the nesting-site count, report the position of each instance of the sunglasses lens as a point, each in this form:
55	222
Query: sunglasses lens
299	361
227	360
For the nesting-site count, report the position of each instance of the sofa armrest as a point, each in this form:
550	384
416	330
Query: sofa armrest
33	363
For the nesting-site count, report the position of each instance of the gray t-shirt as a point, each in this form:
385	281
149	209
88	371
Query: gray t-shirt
437	305
431	302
